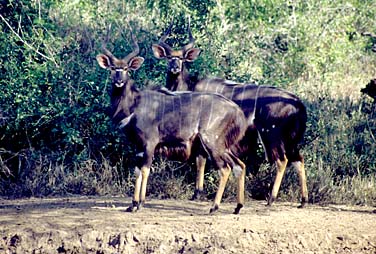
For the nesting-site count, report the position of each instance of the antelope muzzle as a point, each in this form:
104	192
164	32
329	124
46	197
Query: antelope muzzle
175	65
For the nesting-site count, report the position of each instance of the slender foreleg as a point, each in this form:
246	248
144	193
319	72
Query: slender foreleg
136	194
141	180
145	175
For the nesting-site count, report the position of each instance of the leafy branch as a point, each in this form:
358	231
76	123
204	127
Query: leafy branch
27	44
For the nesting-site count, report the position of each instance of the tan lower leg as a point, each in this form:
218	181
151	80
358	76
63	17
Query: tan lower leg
281	168
200	163
299	167
137	187
145	175
241	183
224	174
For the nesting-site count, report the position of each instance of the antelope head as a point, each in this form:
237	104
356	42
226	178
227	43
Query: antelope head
120	67
176	58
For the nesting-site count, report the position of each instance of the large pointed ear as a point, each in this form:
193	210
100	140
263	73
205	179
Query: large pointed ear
159	51
192	54
135	63
103	61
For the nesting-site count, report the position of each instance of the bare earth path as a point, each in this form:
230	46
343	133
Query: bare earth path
99	225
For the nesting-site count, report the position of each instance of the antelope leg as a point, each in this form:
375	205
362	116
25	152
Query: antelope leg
240	189
224	174
145	175
299	167
136	194
200	163
281	168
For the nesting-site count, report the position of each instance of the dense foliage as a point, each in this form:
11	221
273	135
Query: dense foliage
55	136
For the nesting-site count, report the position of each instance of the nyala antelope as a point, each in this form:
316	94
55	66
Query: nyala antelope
274	116
174	125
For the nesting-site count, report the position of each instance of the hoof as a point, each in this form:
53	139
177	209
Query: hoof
237	209
134	207
196	195
214	208
131	209
140	205
270	200
303	203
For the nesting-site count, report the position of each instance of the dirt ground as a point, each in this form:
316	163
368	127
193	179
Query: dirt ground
99	225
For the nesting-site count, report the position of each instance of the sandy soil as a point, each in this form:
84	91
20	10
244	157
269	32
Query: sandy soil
100	225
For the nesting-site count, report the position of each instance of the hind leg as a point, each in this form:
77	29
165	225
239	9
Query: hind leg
200	163
299	167
224	173
281	168
241	182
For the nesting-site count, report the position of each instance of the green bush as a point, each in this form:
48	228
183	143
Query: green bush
56	137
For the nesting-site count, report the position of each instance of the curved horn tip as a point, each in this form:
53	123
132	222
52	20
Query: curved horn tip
105	41
191	38
136	48
167	32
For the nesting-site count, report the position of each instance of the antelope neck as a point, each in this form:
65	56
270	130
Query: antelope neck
123	101
177	82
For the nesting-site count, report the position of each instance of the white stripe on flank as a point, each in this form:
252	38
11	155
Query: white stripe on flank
242	98
232	93
263	145
191	112
216	89
173	104
199	114
210	114
163	111
251	120
180	109
223	87
207	84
